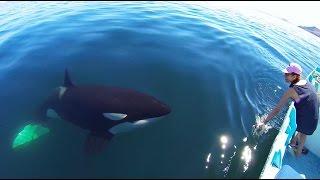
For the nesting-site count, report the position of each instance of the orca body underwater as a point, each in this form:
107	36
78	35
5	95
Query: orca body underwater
102	110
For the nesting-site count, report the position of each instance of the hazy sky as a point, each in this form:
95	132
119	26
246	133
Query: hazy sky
305	13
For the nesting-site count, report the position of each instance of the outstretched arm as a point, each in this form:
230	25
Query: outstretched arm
284	99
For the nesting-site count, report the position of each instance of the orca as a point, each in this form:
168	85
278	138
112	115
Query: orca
103	110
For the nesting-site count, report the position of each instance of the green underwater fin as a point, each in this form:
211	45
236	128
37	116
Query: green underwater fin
29	133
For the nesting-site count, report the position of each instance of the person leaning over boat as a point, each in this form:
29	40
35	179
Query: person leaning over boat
306	103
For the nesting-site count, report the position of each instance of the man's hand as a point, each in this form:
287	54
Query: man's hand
260	127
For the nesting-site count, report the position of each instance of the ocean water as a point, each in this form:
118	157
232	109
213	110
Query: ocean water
217	68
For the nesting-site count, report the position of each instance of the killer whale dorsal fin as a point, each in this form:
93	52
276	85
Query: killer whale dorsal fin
67	81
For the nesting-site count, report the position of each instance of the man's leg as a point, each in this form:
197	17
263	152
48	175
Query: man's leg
293	142
301	140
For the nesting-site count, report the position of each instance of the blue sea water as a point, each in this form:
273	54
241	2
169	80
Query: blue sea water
215	67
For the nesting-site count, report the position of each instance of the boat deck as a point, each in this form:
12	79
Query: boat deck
307	164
